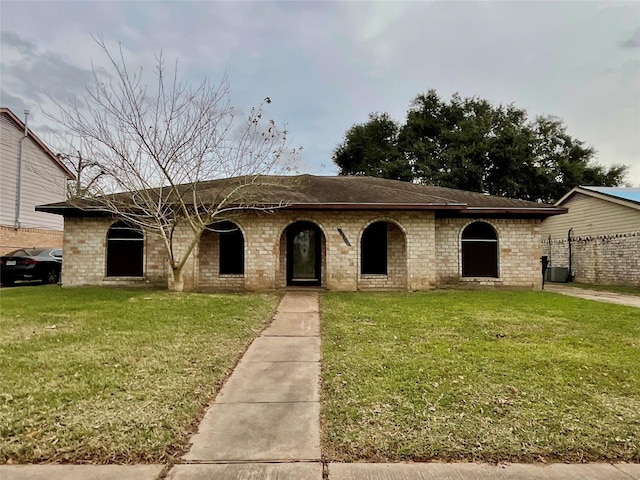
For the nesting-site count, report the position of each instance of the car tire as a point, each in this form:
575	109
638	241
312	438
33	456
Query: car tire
51	276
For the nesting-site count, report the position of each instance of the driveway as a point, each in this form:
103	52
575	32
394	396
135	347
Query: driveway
599	296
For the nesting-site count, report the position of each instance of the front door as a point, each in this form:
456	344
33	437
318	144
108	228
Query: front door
303	254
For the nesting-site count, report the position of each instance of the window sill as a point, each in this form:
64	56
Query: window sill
480	279
124	279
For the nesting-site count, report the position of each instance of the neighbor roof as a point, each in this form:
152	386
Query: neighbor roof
309	192
20	124
627	196
625	193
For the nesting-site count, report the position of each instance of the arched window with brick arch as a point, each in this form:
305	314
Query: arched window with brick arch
373	249
231	247
479	250
125	250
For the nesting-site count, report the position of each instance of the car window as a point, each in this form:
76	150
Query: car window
34	252
56	253
17	253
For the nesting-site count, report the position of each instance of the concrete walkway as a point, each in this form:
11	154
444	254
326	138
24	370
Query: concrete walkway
265	425
597	295
265	422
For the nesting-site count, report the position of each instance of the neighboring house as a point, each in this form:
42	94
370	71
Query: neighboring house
340	233
30	175
598	241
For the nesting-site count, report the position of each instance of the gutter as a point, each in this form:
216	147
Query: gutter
376	206
16	222
525	210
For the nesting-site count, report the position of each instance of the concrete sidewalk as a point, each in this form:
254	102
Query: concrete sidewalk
482	471
336	471
597	295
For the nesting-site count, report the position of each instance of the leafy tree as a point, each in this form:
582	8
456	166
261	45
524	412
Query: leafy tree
372	149
471	144
564	162
154	145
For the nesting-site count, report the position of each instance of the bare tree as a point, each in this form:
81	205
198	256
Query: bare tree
89	174
153	148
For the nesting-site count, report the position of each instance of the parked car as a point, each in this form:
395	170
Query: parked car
43	264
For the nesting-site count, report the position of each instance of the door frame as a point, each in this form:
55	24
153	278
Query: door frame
293	230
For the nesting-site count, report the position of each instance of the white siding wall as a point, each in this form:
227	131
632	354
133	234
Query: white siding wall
591	216
42	181
8	170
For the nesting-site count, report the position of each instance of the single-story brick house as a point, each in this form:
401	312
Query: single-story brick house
340	233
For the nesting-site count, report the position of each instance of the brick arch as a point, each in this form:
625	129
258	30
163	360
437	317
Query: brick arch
383	219
394	275
124	250
479	257
284	252
217	269
476	220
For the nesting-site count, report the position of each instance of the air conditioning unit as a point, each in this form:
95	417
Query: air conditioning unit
557	274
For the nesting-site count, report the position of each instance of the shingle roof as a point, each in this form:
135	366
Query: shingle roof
344	192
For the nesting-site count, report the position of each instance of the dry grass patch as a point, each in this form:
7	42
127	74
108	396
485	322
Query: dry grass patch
111	375
488	376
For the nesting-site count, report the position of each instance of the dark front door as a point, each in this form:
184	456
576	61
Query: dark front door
303	254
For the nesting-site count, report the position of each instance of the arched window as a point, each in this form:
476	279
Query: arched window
479	251
231	249
125	247
373	249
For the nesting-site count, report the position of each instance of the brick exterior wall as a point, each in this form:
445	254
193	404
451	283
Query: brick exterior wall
518	252
601	259
208	264
423	252
85	254
12	239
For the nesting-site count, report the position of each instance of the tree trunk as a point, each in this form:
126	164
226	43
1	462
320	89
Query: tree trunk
177	285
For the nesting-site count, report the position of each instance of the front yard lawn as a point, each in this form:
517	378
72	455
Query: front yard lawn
111	375
492	376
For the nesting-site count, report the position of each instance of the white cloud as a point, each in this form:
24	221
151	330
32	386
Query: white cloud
326	65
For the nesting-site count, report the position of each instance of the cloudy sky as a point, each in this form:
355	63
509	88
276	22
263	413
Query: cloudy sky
326	65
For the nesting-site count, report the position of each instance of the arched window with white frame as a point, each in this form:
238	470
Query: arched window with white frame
125	250
479	250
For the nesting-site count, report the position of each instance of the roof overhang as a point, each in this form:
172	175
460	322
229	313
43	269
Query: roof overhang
376	206
459	209
73	211
519	211
599	195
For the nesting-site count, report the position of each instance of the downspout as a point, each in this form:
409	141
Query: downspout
570	273
16	223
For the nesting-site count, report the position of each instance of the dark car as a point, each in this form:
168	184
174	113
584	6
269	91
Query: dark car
43	264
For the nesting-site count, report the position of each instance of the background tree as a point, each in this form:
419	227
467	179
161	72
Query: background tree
89	174
471	144
372	149
156	144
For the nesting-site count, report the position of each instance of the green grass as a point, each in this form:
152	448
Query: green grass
479	375
111	375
